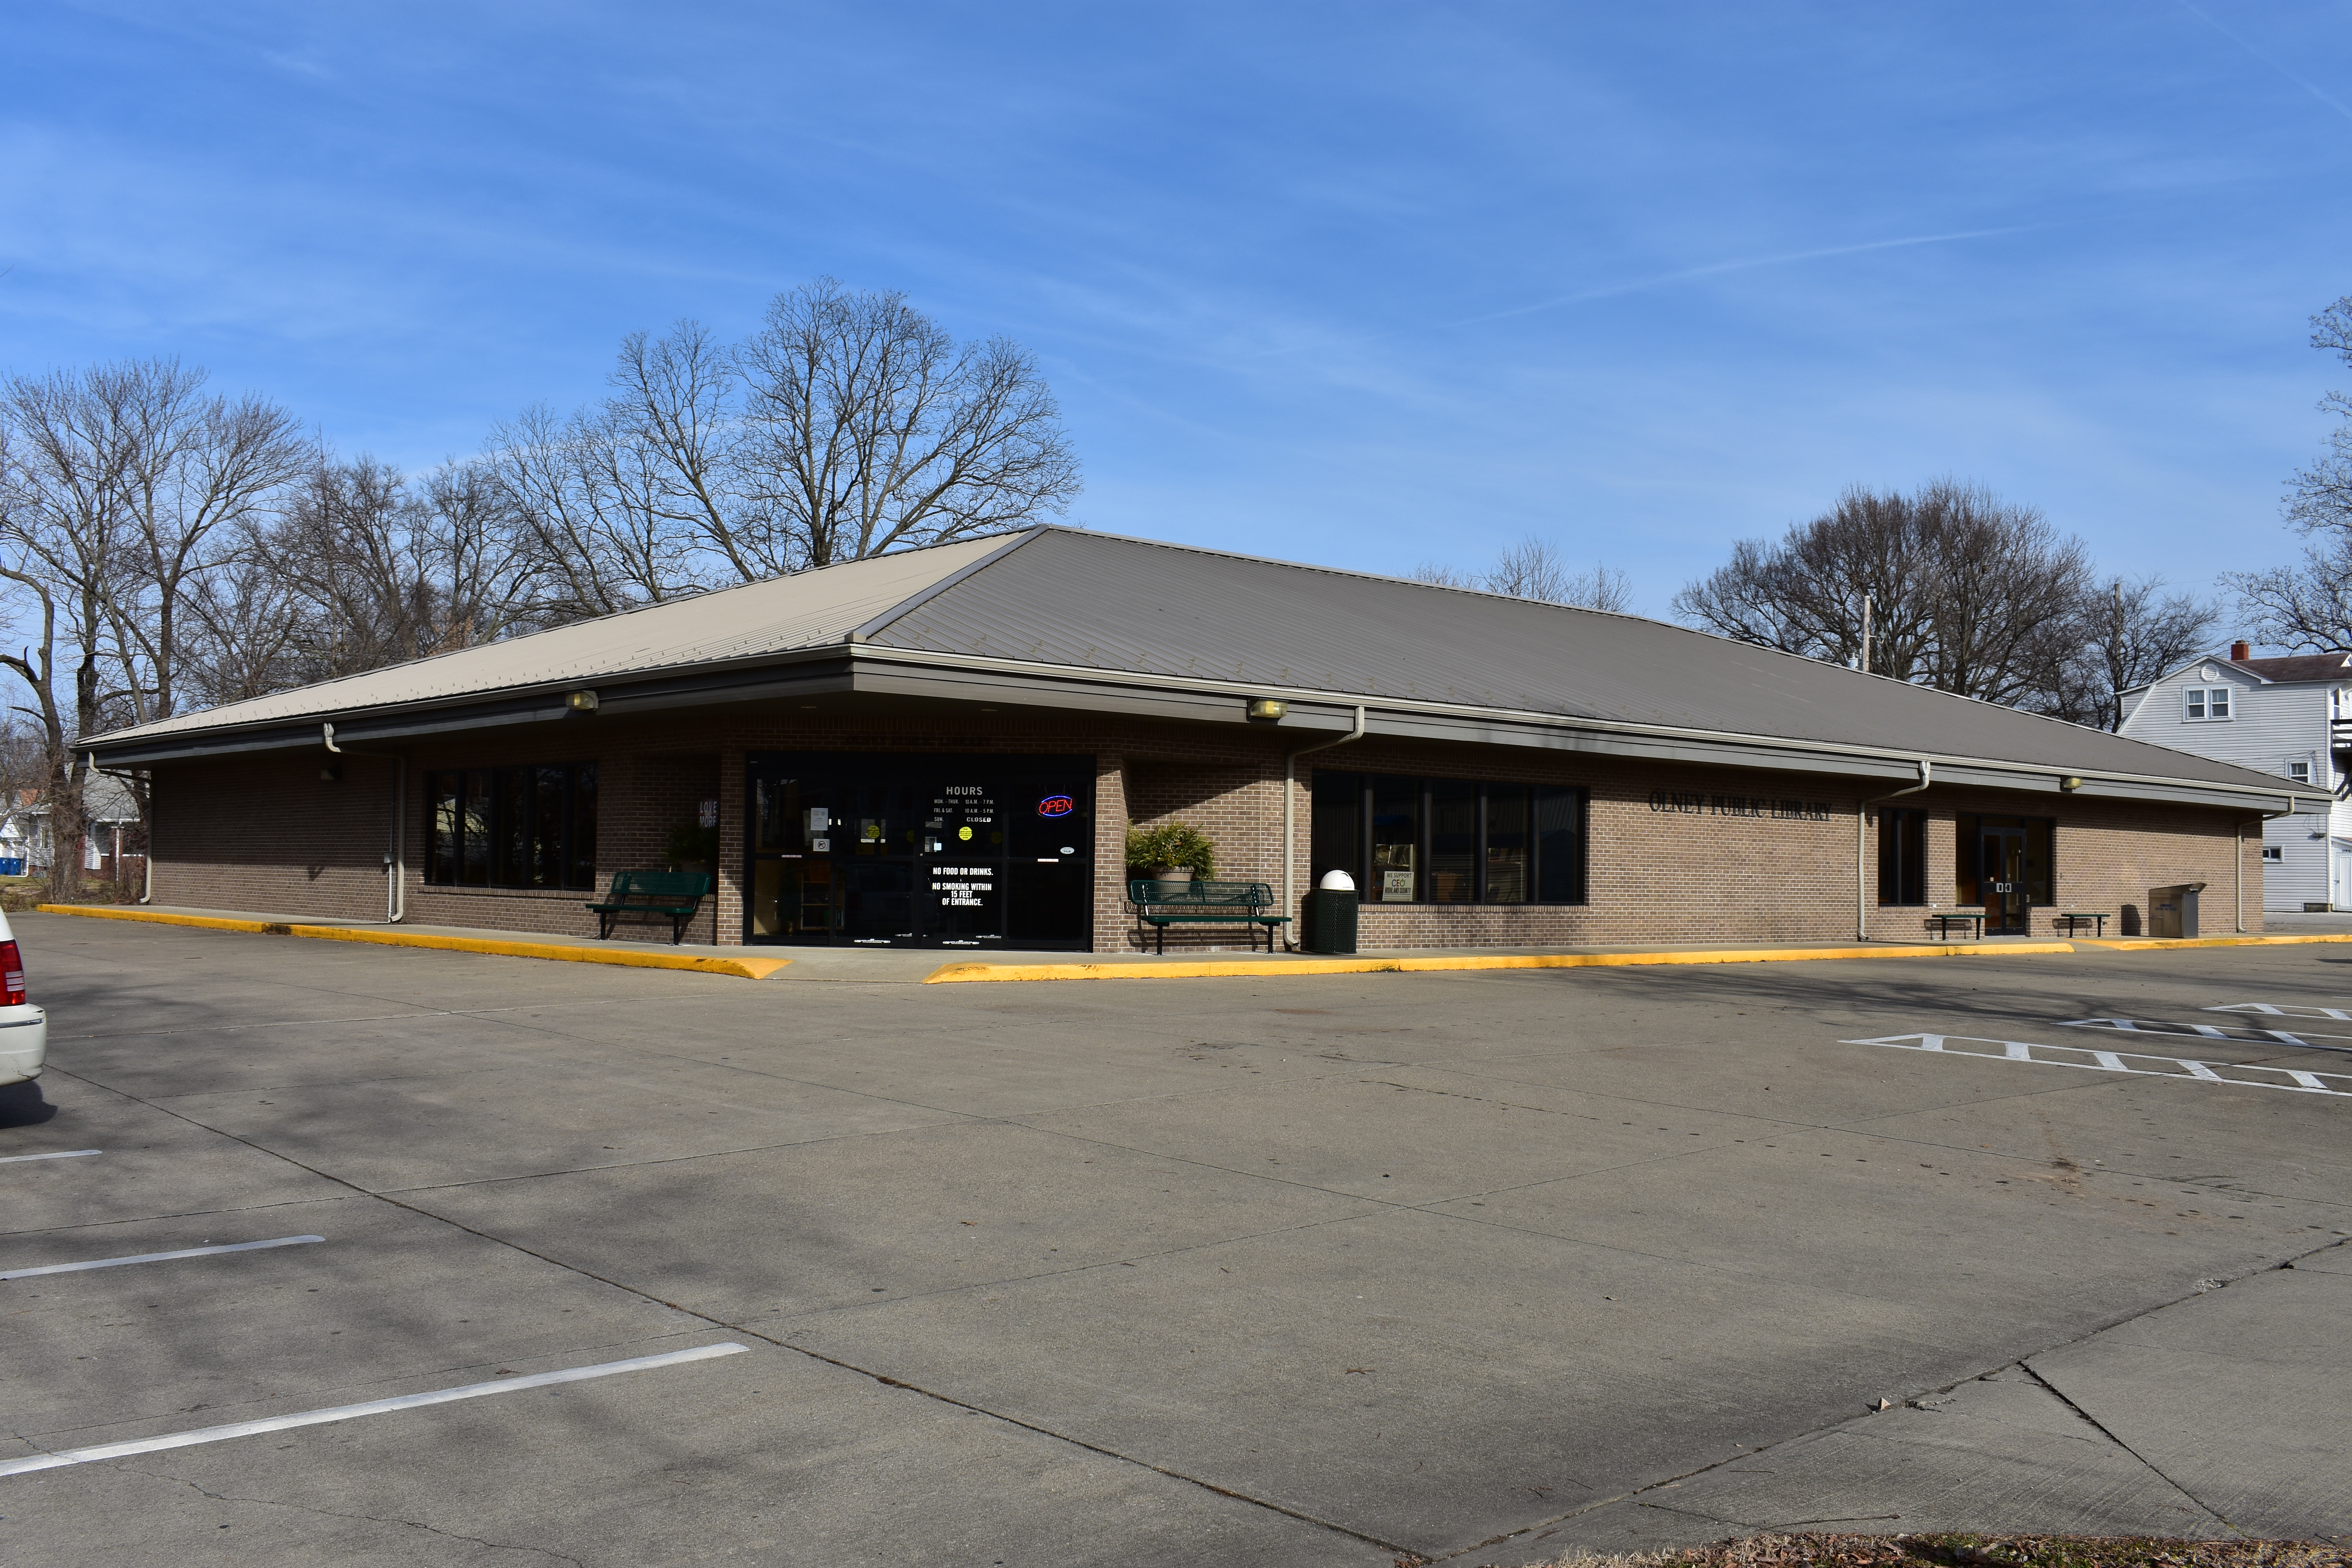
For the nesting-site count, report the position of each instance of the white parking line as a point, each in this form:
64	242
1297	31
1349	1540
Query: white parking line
2274	1011
349	1411
2247	1034
65	1154
2240	1075
159	1256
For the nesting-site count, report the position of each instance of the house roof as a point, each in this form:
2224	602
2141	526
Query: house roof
2298	667
2286	671
1136	625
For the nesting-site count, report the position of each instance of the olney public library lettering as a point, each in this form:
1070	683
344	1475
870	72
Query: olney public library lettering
948	748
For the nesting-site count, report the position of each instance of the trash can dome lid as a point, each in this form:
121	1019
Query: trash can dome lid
1337	882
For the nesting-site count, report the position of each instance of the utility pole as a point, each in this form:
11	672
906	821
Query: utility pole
1866	634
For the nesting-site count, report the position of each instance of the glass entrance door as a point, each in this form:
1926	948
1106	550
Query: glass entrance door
2002	880
889	850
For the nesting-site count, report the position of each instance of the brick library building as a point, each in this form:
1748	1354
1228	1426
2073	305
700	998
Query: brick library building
949	747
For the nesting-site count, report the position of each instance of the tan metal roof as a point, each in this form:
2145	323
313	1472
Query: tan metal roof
808	610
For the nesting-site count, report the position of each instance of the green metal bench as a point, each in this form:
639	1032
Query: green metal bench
676	894
1163	904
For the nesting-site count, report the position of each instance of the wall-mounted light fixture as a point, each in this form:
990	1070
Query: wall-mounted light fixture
1268	708
2069	784
580	701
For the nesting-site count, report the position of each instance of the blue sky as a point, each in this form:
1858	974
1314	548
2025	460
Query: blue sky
1363	284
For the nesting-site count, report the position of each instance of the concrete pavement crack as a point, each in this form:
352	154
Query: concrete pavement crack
2020	1363
365	1518
1172	1473
2026	1367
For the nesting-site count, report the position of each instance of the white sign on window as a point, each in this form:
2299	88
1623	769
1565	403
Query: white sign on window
1395	886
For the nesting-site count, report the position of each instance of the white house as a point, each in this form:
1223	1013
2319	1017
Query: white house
2292	717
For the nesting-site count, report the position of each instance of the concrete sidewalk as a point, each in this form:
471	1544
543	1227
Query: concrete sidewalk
911	965
2221	1415
883	965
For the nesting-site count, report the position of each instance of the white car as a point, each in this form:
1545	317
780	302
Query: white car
24	1029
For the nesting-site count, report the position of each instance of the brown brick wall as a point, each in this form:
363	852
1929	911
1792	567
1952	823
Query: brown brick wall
267	835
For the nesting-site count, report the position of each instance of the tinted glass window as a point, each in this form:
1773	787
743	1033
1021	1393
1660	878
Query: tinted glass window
1560	845
1396	841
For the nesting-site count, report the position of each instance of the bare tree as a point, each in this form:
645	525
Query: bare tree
868	429
2008	589
1535	569
2308	606
1805	595
67	443
198	466
383	572
1967	592
592	504
2127	637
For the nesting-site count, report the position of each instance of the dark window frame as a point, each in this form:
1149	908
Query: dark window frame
1338	790
509	844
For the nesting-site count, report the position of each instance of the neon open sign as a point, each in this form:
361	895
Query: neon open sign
1056	806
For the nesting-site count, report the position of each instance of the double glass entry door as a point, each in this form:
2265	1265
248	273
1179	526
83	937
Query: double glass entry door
890	850
2003	880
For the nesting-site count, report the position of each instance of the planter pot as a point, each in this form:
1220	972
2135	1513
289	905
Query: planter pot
1172	879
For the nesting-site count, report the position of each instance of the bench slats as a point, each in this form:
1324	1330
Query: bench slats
676	895
1203	902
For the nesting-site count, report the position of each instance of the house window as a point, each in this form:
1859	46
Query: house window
1450	841
2275	852
512	827
2209	701
1902	856
2299	771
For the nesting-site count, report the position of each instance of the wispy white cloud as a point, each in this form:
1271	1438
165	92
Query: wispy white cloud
2314	88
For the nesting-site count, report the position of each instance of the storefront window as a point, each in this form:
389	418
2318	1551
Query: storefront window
512	827
1453	841
1396	842
880	850
1506	845
1560	845
1449	841
1902	855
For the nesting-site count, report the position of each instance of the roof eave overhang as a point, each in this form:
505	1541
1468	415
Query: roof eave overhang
905	672
957	677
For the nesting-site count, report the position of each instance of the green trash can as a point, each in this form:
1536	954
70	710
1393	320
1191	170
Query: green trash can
1331	915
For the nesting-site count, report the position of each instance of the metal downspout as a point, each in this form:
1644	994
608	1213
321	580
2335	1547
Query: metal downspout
1289	815
1861	849
395	859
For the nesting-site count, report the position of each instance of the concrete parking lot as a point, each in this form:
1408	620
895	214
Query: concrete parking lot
1295	1271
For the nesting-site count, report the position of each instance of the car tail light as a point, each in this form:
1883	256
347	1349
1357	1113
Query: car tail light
11	975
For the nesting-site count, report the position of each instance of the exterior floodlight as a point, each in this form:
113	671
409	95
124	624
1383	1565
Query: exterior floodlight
1268	708
581	702
2070	783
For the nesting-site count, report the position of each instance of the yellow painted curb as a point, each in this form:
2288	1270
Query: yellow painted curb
2143	944
561	953
956	973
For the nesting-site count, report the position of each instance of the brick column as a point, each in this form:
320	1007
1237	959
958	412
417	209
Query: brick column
1111	923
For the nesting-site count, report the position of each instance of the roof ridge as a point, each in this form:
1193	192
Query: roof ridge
873	625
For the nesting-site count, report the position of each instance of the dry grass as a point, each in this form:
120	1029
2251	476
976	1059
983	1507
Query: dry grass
1974	1552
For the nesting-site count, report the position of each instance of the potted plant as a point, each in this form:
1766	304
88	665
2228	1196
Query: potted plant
693	848
1172	852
